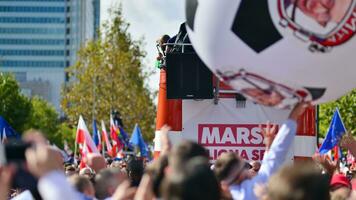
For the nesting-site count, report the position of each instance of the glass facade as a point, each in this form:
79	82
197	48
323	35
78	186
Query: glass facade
17	63
30	9
33	30
35	0
31	42
39	28
40	20
15	52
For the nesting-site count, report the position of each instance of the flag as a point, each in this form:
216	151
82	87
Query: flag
84	152
9	131
105	137
125	138
137	140
96	136
4	137
83	137
114	134
335	133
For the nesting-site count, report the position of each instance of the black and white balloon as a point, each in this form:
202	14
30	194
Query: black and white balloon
278	52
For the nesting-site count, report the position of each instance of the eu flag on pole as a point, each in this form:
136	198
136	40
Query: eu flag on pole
335	133
137	140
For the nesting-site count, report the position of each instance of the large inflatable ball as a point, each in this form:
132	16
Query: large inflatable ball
277	52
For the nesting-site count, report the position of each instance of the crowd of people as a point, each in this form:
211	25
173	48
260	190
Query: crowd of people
181	172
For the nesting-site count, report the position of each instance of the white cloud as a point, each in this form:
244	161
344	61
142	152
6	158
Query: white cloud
149	19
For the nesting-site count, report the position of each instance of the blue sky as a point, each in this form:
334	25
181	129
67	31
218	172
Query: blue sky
149	19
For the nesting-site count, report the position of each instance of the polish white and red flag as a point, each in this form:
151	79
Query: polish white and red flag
84	152
83	137
105	137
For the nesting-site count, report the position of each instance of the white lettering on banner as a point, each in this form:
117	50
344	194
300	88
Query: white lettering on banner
247	153
210	137
244	139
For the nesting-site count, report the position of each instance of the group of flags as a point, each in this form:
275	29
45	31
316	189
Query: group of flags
116	141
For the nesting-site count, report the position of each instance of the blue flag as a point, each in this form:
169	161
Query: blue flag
96	135
7	129
335	133
137	140
125	138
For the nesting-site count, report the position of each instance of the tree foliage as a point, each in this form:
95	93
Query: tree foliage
109	76
23	113
14	107
44	117
347	108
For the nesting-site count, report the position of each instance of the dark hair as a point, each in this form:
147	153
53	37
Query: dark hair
224	164
301	181
194	181
184	151
156	171
135	170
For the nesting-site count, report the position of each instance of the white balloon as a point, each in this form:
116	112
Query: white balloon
278	52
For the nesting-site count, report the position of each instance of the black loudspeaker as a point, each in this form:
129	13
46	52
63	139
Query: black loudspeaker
188	77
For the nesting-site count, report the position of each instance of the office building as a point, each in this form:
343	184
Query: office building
40	38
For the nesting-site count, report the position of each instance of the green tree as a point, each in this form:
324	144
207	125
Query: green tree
109	76
44	117
347	108
14	107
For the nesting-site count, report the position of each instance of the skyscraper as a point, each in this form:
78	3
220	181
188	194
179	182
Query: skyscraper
40	38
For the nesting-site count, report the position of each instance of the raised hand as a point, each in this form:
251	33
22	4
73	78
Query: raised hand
269	133
43	159
6	173
325	161
165	141
145	189
298	110
124	191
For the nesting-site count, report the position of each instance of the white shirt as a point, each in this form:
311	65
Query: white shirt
270	164
54	186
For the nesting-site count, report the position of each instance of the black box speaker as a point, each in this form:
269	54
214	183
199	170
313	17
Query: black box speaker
188	77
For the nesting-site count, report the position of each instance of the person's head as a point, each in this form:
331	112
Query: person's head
162	41
340	186
301	181
323	11
106	182
264	97
184	151
194	181
95	161
115	164
156	170
135	170
230	169
70	170
87	172
82	184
